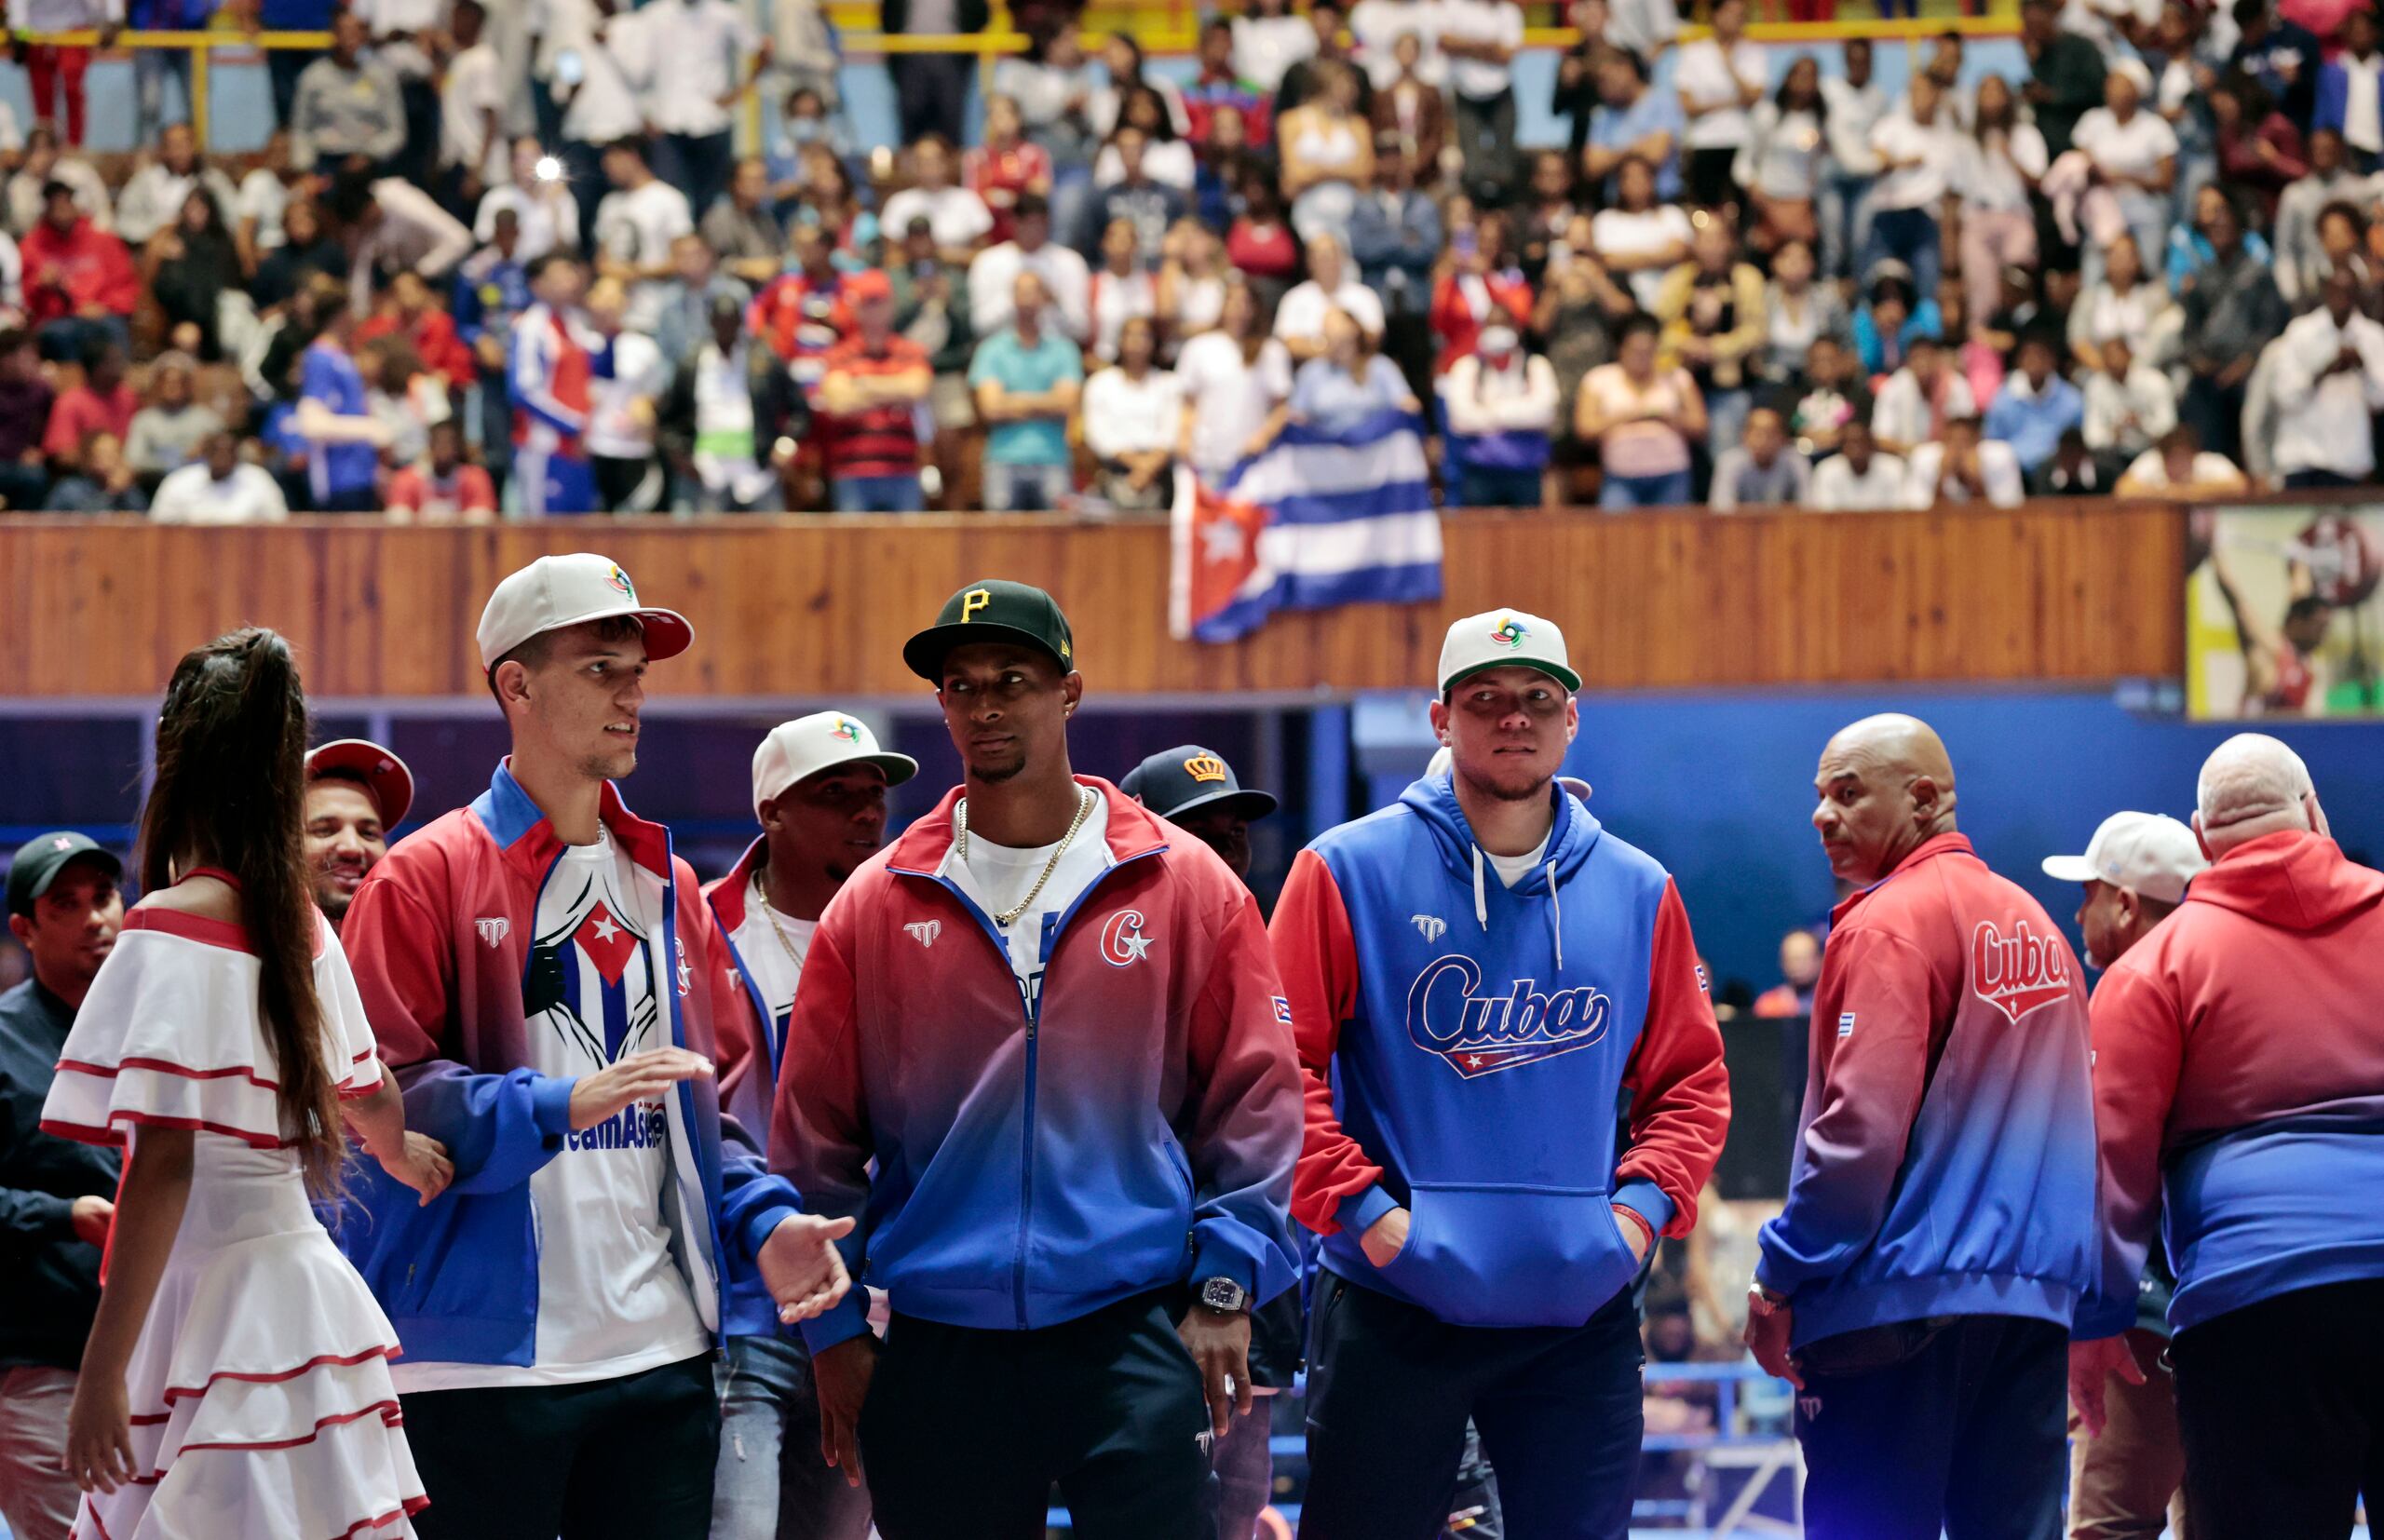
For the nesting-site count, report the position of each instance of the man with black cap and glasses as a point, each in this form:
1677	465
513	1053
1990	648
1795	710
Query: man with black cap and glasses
820	785
55	1195
1053	1024
1197	791
356	792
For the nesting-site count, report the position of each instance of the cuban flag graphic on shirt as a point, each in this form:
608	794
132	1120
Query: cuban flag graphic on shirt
592	980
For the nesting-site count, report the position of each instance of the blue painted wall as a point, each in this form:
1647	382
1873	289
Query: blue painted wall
1719	789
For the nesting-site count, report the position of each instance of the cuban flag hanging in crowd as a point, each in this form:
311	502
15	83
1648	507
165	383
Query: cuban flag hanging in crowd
1316	519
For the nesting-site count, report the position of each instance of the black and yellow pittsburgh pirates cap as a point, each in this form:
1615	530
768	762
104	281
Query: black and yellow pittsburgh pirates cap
992	610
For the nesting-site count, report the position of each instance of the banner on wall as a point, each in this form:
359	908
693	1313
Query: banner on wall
2282	614
1318	519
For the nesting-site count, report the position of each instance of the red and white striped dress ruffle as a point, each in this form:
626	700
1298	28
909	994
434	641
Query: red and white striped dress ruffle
261	1403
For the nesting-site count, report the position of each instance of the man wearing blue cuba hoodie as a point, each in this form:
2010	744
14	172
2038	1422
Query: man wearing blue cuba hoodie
1479	977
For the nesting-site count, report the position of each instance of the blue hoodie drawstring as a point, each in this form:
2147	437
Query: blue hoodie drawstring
1555	916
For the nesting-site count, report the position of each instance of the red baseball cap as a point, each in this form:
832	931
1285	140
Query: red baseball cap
387	780
868	284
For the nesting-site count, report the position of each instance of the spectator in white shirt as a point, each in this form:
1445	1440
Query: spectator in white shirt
1860	478
585	51
1964	467
546	210
958	217
1856	104
1331	285
220	488
2130	406
992	278
1501	404
1637	239
397	228
1921	399
1480	39
471	106
1379	25
2003	158
1234	379
623	406
1915	146
153	199
1720	78
2328	387
2179	466
635	225
1762	470
1132	415
1267	41
2350	89
263	194
701	59
2134	155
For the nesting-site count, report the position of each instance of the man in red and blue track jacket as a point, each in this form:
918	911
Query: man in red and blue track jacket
2239	1097
1479	975
1939	1234
1039	1051
552	397
543	975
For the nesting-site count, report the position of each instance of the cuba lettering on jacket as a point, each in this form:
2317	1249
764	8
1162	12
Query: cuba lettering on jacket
1463	1047
438	936
1131	1124
1945	1160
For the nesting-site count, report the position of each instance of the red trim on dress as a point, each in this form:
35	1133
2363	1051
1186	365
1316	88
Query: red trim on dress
407	1510
85	1134
163	1066
227	934
388	1409
321	1360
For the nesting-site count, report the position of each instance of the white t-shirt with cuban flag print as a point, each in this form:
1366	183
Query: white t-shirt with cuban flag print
612	1301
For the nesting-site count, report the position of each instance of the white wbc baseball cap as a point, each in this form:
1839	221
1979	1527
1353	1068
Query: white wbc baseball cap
1499	638
556	591
2147	852
799	749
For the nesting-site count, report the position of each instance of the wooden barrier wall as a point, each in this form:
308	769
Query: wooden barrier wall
819	606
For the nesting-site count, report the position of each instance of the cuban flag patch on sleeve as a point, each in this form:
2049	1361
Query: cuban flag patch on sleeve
1282	1010
1846	1025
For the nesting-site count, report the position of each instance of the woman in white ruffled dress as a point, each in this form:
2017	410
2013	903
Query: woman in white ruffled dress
236	1381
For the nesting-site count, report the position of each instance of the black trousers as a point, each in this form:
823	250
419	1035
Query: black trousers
626	1459
1958	1423
2282	1405
1390	1387
965	1431
931	93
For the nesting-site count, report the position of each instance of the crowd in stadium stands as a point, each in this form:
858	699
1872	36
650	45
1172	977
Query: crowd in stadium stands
2153	262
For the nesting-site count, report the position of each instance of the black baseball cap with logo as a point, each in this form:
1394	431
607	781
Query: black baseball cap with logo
40	859
1189	779
998	611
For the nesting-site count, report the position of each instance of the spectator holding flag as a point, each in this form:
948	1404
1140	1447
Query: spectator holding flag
1501	404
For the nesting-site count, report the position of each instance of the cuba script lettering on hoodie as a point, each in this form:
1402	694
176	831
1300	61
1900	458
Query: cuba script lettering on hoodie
2017	973
1481	1034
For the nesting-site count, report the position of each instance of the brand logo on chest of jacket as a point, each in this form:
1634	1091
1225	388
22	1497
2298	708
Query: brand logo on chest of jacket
924	931
1122	941
2020	972
493	931
1479	1032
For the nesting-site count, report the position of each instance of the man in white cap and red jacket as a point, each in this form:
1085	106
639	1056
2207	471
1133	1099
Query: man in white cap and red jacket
543	975
1479	976
820	785
2123	1480
1038	1048
2239	1103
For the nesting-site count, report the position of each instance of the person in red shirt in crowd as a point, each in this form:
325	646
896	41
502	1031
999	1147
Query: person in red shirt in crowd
80	283
103	403
443	484
412	314
1006	165
869	406
1800	969
1217	86
803	313
1260	243
1480	278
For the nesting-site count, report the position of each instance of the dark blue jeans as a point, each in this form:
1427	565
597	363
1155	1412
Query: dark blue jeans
1490	487
772	1483
1958	1425
1390	1387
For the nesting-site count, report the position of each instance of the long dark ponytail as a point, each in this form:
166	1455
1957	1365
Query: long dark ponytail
230	792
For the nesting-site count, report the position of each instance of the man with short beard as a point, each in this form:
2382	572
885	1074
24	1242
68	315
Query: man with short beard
356	792
2122	1480
1038	1048
544	977
820	785
55	1199
1479	976
1939	1235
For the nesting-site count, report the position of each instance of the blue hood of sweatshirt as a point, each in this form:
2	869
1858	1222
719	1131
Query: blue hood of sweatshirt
1484	1068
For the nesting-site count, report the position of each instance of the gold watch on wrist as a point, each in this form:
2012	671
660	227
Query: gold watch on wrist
1762	1299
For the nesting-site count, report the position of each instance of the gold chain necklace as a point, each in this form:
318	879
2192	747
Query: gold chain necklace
960	830
769	913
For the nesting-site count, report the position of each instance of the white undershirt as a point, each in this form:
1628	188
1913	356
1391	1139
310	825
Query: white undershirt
996	876
767	963
612	1301
1514	869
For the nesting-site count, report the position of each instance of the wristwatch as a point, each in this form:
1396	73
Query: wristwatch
1224	1294
1762	1299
